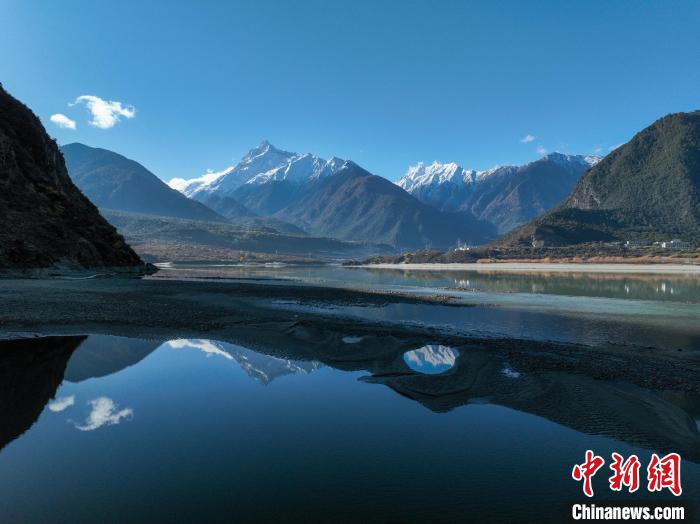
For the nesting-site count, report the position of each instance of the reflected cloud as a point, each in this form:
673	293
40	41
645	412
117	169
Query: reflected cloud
61	403
104	413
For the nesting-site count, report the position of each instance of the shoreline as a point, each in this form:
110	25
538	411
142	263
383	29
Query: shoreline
546	267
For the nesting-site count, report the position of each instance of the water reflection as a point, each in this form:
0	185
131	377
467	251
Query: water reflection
431	359
668	287
261	368
31	371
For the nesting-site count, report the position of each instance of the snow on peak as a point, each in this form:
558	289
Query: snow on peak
262	164
564	159
435	174
426	178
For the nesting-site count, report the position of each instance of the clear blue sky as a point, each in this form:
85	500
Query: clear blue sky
386	84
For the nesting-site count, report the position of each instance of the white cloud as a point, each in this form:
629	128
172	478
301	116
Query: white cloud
613	148
541	150
527	138
597	150
61	403
62	121
105	114
104	413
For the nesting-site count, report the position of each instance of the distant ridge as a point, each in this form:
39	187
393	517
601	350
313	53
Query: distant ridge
505	196
647	189
112	181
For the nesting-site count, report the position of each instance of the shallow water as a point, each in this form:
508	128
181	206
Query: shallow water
115	429
588	308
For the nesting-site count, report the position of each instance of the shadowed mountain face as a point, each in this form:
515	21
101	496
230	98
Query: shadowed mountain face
647	189
30	372
354	204
46	221
506	196
112	181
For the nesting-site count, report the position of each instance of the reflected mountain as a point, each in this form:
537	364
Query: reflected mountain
258	366
32	369
30	372
617	410
102	355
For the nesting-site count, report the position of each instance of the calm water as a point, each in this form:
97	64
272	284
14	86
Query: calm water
115	429
656	310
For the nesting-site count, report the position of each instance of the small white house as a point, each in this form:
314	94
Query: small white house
537	243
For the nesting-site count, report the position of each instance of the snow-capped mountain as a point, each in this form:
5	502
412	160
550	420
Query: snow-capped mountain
506	196
260	165
331	198
434	175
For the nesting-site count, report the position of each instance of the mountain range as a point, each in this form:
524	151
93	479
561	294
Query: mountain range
335	198
45	220
647	189
505	196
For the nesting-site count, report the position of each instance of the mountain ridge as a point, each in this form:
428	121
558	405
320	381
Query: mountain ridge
647	189
505	196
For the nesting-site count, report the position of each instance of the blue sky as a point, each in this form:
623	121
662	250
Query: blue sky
386	84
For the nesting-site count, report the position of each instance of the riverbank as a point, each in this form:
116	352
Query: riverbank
546	267
250	314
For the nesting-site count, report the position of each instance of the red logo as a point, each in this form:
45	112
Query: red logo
664	472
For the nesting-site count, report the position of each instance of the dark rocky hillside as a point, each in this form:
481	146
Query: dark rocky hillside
45	221
647	189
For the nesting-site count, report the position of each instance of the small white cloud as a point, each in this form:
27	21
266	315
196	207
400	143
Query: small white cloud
61	403
527	139
597	150
541	150
105	114
104	413
613	148
62	121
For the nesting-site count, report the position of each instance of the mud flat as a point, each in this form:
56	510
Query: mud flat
249	314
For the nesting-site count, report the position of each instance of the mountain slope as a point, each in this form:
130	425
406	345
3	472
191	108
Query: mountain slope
46	221
505	196
112	181
354	204
647	189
